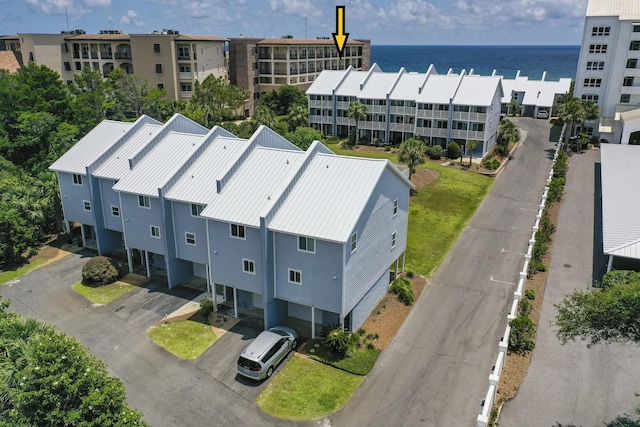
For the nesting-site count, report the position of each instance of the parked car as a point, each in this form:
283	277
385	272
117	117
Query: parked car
261	358
543	114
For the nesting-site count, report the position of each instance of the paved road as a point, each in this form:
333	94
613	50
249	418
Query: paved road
169	391
435	372
572	385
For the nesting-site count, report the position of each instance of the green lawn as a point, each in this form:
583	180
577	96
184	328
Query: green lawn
438	213
8	275
186	339
306	389
103	294
360	363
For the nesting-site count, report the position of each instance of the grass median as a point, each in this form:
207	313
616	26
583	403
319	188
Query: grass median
187	339
103	294
9	275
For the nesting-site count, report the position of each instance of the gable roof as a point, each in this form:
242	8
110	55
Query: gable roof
620	200
439	89
93	145
477	90
325	203
408	86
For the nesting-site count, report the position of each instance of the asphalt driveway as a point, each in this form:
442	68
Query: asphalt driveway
572	385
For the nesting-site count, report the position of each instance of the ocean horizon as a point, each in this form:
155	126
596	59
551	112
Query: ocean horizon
532	61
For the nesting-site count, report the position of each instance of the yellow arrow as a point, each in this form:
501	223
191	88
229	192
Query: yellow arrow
340	37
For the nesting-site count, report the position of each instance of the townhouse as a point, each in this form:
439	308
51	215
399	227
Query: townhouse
267	225
533	95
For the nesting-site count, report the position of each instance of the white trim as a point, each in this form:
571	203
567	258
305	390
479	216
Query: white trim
395	208
244	232
394	237
352	243
151	227
76	179
251	263
191	209
186	238
85	203
293	270
118	208
306	244
145	198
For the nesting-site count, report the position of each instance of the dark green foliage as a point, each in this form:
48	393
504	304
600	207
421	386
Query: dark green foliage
524	307
491	164
411	153
521	336
402	288
453	150
410	274
556	189
546	226
530	294
216	99
434	152
281	101
337	339
303	136
619	277
611	314
206	306
99	271
361	332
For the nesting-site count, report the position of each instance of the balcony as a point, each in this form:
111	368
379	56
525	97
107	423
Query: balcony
279	56
293	72
346	121
376	108
438	133
85	55
403	110
372	125
265	70
184	57
401	127
280	72
106	55
303	56
94	55
264	56
312	55
185	76
293	56
122	55
186	94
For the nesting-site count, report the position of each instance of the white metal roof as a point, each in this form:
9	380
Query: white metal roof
377	85
620	200
625	9
117	165
350	86
255	186
198	183
477	90
91	147
160	164
321	205
325	83
408	86
439	89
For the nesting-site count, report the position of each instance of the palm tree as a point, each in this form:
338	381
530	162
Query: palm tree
507	132
471	145
571	111
264	116
298	116
357	111
412	153
513	106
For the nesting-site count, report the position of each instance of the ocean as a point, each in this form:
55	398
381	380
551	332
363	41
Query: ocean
532	61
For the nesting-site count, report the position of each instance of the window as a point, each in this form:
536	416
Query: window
155	231
628	81
600	31
87	205
393	240
636	28
159	68
144	202
196	210
185	87
635	45
625	98
237	231
78	66
248	266
306	244
183	52
77	179
190	239
115	210
185	68
395	207
156	47
598	48
295	276
592	82
67	66
590	97
632	63
160	85
595	65
354	242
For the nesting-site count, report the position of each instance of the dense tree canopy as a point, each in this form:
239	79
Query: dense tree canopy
281	101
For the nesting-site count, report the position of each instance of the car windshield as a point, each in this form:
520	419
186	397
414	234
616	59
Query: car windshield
279	332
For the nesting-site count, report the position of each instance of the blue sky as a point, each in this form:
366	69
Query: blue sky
425	22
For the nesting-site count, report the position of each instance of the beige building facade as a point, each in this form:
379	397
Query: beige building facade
263	65
169	60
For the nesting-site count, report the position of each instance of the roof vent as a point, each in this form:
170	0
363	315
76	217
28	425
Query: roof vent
224	147
287	161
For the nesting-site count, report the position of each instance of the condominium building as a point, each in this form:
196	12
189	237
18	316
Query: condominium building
263	65
609	68
169	60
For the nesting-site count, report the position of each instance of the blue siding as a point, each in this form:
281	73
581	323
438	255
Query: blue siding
110	198
362	310
72	197
183	222
226	264
137	222
374	255
245	299
318	286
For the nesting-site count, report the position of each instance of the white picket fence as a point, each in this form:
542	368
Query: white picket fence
494	378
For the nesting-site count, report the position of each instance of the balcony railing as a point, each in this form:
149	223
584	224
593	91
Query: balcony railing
264	56
279	56
280	72
184	57
94	55
122	55
185	76
85	55
106	55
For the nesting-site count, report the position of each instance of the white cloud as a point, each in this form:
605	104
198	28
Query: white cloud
296	7
71	7
100	3
130	18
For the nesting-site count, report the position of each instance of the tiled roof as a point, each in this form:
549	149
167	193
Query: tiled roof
9	61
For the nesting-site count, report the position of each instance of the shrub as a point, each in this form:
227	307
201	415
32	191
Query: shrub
524	307
361	332
337	339
402	288
619	277
546	226
33	252
521	337
530	294
453	150
410	274
206	306
332	139
370	346
556	189
99	271
435	152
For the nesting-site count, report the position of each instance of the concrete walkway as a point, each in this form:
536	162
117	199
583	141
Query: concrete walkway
572	385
